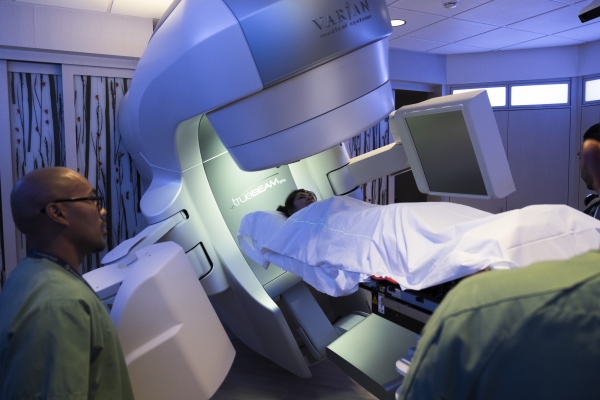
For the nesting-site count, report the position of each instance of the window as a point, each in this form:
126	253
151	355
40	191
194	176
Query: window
497	95
592	90
529	95
508	95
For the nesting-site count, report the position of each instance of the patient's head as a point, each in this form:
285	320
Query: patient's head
296	201
589	158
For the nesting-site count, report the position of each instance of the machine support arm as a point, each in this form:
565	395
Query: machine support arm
387	160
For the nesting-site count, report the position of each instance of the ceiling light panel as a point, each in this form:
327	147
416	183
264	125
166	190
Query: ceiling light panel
140	8
87	5
505	12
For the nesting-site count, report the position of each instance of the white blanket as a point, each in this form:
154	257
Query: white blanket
336	243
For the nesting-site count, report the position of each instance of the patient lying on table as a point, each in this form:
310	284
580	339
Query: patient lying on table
296	201
336	243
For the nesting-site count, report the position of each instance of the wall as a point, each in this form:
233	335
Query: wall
516	65
562	63
36	27
589	62
417	71
73	42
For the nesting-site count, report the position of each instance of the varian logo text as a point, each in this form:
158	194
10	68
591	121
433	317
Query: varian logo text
352	14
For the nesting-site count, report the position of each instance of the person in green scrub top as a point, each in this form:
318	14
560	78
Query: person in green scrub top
526	333
57	340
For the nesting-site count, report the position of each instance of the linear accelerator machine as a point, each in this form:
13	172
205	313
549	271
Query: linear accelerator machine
233	105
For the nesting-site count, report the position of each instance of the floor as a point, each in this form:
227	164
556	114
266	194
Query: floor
252	376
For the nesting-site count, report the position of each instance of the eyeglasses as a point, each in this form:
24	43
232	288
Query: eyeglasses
99	200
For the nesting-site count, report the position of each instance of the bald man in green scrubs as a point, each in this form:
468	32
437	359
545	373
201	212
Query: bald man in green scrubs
57	340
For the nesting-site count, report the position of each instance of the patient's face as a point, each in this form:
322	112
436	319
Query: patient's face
303	199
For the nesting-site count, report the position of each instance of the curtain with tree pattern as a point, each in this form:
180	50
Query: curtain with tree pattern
36	128
37	124
103	159
376	191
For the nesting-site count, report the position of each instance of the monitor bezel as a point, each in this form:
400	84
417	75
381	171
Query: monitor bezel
415	160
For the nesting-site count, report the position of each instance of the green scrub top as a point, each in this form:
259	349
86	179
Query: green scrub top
530	333
57	340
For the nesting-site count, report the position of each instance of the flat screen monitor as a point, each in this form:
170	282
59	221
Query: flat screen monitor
454	147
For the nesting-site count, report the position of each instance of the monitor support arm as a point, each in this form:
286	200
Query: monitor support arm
348	174
387	160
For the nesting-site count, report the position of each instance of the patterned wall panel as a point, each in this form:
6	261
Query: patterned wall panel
377	191
36	126
103	159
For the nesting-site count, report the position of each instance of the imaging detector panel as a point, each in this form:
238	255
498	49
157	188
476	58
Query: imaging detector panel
453	148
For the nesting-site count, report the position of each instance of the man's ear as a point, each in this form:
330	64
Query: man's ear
57	214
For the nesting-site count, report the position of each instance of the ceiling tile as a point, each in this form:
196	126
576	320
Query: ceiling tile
454	48
546	41
414	44
88	5
436	7
140	8
450	30
414	20
505	12
552	22
501	37
478	25
587	32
